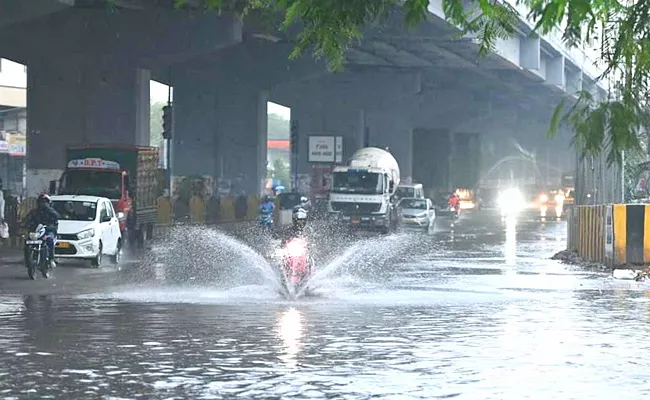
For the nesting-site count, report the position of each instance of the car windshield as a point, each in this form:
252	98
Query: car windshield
405	192
358	181
413	203
75	210
93	183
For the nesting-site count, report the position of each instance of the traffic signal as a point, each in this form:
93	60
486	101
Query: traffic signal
294	137
167	121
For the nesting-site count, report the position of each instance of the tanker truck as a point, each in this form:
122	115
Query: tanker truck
361	196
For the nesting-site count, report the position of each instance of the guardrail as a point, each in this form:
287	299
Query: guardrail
614	235
210	211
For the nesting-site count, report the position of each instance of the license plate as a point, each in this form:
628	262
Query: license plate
33	241
63	245
355	220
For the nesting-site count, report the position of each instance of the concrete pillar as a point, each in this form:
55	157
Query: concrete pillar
79	102
195	149
241	114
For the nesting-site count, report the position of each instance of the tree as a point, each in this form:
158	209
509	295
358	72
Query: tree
278	128
155	123
329	27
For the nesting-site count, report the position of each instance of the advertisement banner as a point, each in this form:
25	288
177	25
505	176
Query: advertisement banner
321	149
17	144
4	146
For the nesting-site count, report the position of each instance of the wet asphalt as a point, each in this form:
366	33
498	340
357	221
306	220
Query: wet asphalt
476	310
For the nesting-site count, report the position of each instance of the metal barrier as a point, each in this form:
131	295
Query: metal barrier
613	235
222	210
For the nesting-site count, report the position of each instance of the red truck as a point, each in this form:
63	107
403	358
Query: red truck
127	175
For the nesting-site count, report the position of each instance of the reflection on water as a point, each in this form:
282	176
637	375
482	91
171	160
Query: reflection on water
290	331
510	246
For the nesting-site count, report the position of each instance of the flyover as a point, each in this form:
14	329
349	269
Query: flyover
423	92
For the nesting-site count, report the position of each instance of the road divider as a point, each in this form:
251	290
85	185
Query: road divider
615	235
229	212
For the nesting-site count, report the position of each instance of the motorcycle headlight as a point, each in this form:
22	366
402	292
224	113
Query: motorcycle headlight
543	198
87	234
33	235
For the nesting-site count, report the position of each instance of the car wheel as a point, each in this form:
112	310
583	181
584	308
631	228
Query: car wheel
97	261
117	257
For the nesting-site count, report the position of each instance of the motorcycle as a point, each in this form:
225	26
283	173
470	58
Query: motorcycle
296	265
455	211
36	252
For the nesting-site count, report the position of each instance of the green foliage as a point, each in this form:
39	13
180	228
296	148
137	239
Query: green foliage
621	28
155	123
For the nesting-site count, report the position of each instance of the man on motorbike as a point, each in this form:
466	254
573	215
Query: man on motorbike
296	259
454	202
44	214
298	225
266	212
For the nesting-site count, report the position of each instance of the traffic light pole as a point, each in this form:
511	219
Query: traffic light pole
294	154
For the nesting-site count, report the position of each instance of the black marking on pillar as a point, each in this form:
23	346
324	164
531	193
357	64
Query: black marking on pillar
634	233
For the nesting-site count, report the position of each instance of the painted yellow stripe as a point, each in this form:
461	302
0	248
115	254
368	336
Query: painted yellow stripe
620	233
646	234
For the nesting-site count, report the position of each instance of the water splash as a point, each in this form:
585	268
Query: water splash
367	257
211	256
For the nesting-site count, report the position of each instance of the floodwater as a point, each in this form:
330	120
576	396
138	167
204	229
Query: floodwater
477	313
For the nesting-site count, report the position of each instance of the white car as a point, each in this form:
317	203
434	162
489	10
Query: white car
416	212
88	229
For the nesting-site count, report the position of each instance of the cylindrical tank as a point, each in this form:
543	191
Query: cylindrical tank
373	157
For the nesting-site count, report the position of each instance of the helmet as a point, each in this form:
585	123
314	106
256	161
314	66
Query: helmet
43	199
299	216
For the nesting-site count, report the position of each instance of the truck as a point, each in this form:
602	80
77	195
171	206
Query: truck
127	175
362	191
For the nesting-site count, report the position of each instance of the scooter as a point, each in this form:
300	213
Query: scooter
296	265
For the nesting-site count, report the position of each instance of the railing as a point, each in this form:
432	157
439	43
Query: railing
614	235
198	210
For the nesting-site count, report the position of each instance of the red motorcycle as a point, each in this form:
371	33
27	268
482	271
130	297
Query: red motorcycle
297	265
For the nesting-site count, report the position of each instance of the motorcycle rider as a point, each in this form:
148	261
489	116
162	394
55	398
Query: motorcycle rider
298	225
454	202
266	212
44	214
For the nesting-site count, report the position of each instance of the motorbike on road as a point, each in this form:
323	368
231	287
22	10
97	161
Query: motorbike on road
296	265
36	252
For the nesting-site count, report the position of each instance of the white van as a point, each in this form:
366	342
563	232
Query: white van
413	190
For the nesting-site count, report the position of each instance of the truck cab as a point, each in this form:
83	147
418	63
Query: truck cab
362	192
102	178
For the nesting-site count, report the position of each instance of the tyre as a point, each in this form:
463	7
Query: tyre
31	260
97	261
117	257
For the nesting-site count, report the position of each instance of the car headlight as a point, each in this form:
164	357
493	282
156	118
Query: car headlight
421	215
87	234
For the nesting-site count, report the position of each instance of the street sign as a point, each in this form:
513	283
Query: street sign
322	149
339	150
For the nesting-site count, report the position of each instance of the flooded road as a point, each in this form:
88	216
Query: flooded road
477	313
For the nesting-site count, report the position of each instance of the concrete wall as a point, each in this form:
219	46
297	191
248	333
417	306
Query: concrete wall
78	102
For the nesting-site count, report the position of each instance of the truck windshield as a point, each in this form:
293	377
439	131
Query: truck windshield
362	182
93	183
417	204
403	191
75	210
